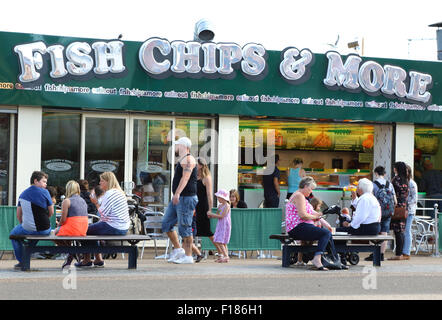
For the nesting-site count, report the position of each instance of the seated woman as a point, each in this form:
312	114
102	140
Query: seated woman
114	215
300	218
74	219
321	223
235	200
366	219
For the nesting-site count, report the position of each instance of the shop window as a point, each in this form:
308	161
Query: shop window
151	165
4	158
60	147
427	152
104	148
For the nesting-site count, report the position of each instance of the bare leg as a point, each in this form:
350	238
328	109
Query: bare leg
195	249
187	245
174	239
384	243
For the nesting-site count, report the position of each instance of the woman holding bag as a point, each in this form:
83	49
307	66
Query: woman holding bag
400	183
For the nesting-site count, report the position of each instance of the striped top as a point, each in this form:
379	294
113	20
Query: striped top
114	210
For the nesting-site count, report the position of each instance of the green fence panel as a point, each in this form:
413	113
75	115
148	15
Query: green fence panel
251	229
8	220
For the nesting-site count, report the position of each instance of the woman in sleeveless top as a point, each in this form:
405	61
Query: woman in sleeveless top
74	219
300	218
295	175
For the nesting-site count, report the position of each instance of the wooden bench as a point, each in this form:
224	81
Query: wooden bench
343	244
30	246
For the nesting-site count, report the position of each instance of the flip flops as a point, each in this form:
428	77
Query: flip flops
321	268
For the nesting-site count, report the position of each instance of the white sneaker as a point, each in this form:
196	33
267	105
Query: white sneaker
176	254
184	260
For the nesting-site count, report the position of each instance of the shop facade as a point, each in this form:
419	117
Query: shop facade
75	107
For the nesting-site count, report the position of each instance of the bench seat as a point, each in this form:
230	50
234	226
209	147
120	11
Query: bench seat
343	244
29	246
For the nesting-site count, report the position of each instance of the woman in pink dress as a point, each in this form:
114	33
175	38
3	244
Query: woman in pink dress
222	233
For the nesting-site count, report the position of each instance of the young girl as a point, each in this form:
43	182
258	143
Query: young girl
321	223
222	233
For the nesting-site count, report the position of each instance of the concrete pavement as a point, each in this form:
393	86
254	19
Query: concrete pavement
260	279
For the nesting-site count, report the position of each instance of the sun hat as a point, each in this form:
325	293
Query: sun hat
184	141
223	194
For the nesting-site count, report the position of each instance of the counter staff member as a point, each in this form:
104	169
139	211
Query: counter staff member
271	187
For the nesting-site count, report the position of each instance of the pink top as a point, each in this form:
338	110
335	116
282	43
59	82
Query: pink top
292	219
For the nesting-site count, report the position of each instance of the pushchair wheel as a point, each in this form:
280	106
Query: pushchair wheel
353	258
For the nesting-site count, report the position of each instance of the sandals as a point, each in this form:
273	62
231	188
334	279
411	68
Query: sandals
222	259
321	268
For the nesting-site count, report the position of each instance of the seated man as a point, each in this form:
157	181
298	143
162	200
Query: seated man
366	219
34	209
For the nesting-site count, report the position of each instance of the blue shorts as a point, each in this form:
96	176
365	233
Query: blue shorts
182	213
385	225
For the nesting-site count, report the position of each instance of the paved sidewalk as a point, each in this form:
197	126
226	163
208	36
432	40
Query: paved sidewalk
418	278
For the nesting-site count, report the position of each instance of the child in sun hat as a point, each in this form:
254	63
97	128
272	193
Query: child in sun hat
222	233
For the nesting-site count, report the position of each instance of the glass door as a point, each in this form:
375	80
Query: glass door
4	157
104	147
151	161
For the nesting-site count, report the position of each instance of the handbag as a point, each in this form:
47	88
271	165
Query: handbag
400	213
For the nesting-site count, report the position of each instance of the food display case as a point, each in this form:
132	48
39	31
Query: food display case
330	184
325	178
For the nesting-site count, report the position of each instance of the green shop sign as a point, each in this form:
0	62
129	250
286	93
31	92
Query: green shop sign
215	78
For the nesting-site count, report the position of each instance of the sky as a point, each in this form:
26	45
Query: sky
387	29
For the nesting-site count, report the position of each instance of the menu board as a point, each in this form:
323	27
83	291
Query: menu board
328	137
427	143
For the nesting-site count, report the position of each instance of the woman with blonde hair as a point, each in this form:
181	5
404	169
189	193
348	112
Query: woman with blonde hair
74	219
114	215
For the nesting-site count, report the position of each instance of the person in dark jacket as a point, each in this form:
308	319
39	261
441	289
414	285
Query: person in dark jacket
86	195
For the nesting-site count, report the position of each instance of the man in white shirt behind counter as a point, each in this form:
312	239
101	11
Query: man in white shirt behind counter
366	219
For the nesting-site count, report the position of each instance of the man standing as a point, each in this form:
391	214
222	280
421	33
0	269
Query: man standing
34	209
271	186
180	209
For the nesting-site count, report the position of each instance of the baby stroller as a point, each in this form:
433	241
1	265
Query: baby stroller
351	257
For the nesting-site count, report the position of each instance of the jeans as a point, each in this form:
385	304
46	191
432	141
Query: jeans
18	245
309	232
371	229
182	213
385	225
101	228
407	235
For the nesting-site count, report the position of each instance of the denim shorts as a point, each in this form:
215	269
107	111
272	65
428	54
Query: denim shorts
181	214
385	225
